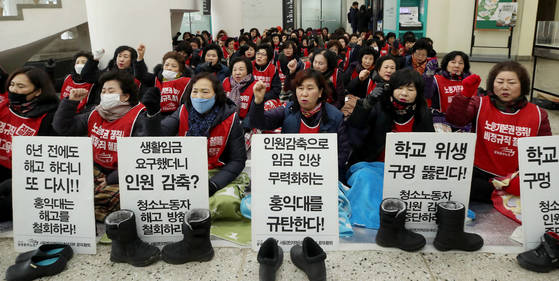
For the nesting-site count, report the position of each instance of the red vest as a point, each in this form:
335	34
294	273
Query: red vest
370	87
447	90
305	52
280	73
266	75
217	140
69	84
3	96
304	129
404	127
307	65
384	50
246	96
498	134
12	124
138	83
171	93
104	135
346	59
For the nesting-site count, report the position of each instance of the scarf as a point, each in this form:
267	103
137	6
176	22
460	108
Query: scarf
114	113
25	108
418	67
402	108
200	124
235	94
312	117
508	107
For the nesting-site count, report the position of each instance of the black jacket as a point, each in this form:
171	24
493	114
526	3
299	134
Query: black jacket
367	129
234	156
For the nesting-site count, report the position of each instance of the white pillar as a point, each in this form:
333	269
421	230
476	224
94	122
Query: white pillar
227	15
129	22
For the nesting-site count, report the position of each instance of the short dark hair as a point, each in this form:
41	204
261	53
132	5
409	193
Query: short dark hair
355	3
381	60
245	47
331	58
176	56
334	43
214	47
390	34
185	47
515	67
421	44
85	54
269	50
317	77
450	56
40	80
125	81
120	49
195	40
289	42
246	61
229	40
220	97
367	51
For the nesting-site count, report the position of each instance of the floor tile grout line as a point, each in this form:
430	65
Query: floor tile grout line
428	267
243	260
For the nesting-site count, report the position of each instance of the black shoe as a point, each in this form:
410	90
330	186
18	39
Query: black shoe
126	246
35	267
450	232
47	250
196	244
392	231
270	257
545	257
310	258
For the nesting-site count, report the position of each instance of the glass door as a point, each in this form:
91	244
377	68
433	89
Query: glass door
321	13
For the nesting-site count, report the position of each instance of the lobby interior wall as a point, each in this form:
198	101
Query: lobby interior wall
261	14
449	24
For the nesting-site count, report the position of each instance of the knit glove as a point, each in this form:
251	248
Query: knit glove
151	100
98	54
470	83
373	97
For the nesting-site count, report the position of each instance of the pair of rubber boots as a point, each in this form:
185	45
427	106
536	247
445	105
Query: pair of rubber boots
450	234
543	258
127	247
308	257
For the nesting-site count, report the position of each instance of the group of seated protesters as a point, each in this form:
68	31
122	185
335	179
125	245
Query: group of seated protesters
360	87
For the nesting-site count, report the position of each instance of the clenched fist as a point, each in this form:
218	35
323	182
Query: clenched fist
364	74
259	90
141	52
78	94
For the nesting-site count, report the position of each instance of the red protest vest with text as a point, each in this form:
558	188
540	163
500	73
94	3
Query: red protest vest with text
266	75
498	134
370	87
246	96
307	65
447	90
172	92
384	50
304	129
69	84
280	73
12	124
104	135
217	140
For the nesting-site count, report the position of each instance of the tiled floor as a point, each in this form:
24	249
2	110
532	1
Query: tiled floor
356	262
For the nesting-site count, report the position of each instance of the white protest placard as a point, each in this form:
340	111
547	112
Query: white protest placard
424	169
52	189
539	187
161	178
295	189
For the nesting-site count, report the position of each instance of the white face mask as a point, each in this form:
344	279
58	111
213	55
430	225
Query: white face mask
167	74
78	68
109	101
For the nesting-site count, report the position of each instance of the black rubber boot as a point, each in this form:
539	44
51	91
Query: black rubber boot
196	244
450	234
270	257
126	245
310	258
545	257
392	231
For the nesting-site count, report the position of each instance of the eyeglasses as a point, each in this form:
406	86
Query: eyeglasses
261	54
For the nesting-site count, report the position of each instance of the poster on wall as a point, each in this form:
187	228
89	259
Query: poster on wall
288	14
389	17
495	14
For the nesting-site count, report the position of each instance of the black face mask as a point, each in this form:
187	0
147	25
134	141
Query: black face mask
19	102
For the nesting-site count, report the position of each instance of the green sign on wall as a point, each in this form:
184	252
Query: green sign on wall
495	14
